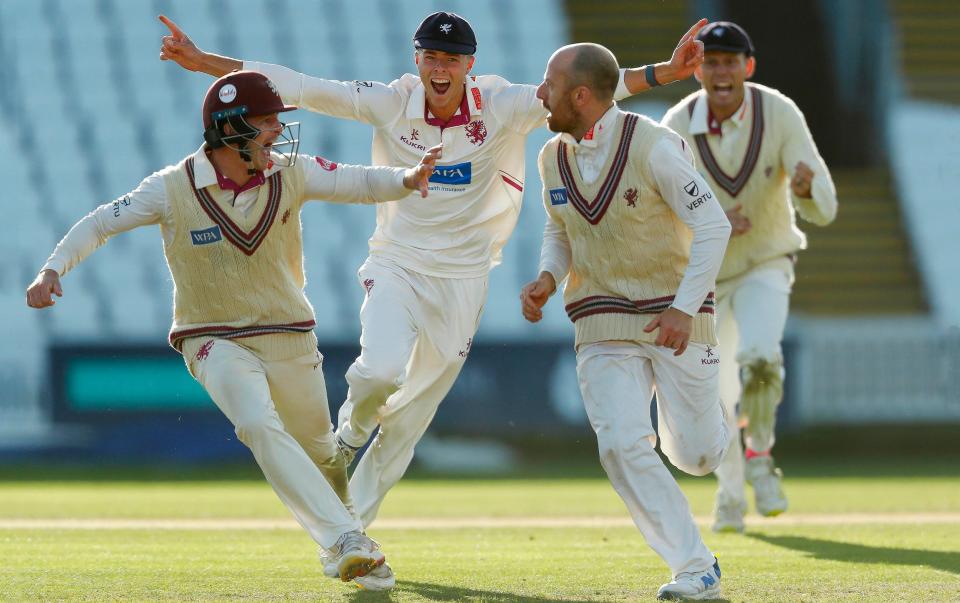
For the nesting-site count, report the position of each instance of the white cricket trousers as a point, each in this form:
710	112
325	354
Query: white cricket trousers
751	316
279	410
617	380
417	333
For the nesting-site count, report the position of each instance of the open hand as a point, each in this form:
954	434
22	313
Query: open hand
418	178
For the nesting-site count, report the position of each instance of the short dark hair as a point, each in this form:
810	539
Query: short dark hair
595	67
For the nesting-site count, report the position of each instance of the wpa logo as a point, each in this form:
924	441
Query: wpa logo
452	174
558	196
205	236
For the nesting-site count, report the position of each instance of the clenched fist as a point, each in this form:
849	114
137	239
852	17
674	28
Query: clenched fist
41	291
535	294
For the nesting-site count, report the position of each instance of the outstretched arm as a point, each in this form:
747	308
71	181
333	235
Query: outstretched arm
368	102
687	56
325	180
145	205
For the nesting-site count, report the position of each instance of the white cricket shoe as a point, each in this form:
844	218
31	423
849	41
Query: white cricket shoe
767	491
728	515
692	586
379	579
355	554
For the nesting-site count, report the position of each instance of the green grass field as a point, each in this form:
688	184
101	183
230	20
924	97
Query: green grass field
882	535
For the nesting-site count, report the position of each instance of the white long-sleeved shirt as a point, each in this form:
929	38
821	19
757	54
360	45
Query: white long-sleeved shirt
672	164
477	188
147	204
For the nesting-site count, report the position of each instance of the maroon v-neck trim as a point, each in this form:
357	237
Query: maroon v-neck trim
247	242
594	210
734	184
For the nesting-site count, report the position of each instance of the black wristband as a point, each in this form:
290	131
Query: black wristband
651	76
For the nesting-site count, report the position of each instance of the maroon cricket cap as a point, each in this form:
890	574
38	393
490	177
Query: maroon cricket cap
241	93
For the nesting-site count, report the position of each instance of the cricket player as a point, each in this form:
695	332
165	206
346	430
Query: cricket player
427	273
753	146
639	236
230	219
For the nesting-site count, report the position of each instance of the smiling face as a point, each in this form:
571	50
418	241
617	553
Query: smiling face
722	75
443	75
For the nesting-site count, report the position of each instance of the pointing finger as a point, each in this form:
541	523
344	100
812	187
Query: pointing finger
693	31
177	33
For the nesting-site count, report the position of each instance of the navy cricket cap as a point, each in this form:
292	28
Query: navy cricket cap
725	36
448	32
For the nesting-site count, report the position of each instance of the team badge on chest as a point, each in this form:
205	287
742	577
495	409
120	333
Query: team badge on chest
631	197
476	132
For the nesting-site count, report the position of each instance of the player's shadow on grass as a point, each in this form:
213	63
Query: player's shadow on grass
440	592
947	561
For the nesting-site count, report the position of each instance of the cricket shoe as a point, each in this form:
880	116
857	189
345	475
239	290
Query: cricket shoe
379	579
693	586
767	491
728	515
355	554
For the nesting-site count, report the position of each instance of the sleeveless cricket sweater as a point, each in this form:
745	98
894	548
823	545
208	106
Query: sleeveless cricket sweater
629	249
236	276
752	175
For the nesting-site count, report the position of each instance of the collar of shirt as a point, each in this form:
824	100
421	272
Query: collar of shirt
703	122
470	106
598	134
205	174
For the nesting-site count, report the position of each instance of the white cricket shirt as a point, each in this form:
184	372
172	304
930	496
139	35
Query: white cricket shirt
476	189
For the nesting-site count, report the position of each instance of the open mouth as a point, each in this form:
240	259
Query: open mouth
723	90
440	85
